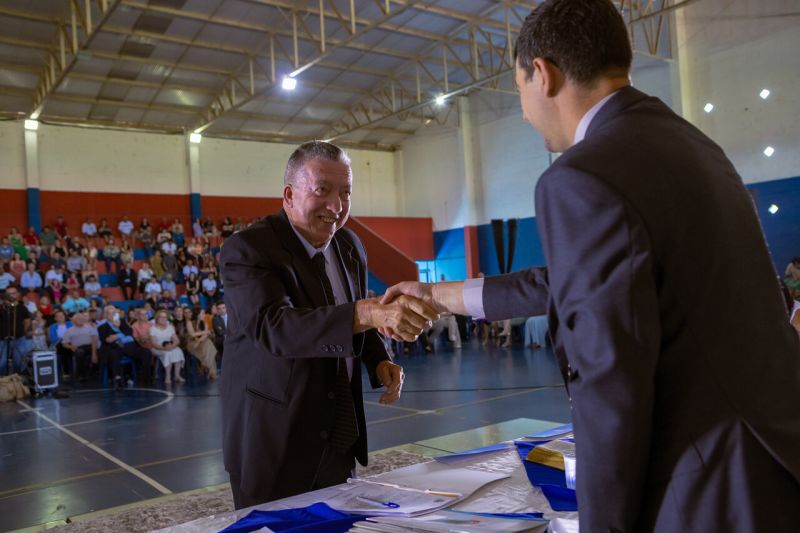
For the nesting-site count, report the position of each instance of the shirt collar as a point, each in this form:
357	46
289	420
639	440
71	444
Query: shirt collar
583	125
307	245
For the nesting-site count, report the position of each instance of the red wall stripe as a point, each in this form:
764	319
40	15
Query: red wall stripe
13	210
76	206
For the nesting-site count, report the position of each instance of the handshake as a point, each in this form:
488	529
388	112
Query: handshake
408	308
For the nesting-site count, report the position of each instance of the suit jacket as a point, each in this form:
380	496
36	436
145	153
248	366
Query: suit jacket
218	325
682	369
126	277
281	351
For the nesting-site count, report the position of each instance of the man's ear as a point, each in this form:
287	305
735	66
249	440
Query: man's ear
288	195
550	77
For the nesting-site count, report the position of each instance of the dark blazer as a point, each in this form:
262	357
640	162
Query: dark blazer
126	277
218	325
281	352
682	369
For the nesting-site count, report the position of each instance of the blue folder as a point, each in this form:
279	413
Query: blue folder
552	481
316	518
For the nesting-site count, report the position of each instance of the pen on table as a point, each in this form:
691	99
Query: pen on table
364	499
442	493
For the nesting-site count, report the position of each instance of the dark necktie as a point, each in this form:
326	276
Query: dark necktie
345	425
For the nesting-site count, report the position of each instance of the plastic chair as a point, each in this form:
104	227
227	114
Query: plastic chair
124	360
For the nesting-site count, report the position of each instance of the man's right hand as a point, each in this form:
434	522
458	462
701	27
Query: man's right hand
405	316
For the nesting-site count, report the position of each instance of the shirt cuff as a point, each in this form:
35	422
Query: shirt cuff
473	297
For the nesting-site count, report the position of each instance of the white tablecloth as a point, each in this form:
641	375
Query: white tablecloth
512	495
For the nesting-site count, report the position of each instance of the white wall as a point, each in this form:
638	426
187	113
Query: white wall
12	155
84	159
730	51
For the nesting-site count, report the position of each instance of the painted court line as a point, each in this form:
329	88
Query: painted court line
147	479
169	398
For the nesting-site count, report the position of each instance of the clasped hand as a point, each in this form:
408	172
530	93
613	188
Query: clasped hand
404	317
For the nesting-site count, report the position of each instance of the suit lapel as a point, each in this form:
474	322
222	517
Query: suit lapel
307	277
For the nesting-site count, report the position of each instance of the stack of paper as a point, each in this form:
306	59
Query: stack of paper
447	522
411	491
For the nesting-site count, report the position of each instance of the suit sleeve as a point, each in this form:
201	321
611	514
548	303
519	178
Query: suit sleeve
263	311
602	282
520	294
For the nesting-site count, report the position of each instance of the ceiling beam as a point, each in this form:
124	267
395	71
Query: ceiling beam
64	52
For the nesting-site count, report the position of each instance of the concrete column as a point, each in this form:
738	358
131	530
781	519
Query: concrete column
193	154
32	179
469	141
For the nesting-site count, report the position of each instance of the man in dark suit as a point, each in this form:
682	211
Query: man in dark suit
298	329
126	279
682	369
116	337
219	323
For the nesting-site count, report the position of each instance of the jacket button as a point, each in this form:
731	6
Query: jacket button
339	348
324	347
323	435
331	395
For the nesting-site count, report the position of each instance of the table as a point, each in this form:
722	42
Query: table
512	495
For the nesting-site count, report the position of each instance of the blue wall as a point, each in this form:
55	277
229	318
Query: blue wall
450	255
782	230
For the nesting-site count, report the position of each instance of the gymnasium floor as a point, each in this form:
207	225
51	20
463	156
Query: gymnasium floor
100	449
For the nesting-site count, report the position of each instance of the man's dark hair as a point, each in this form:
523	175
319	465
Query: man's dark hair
583	38
309	151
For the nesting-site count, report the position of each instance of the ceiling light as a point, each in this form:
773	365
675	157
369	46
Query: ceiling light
709	107
289	83
440	99
32	125
768	151
773	209
195	138
764	94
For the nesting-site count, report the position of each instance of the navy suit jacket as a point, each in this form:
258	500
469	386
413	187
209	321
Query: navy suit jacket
281	350
682	369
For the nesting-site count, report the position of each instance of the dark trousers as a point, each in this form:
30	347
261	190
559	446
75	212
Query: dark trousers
128	291
334	469
142	357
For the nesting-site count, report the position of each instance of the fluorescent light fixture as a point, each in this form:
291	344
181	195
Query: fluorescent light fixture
32	125
768	151
773	209
289	83
709	107
195	138
764	94
440	99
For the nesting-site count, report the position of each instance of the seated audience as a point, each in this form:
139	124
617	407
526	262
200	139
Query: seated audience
6	280
210	287
39	328
117	340
227	228
74	303
31	280
72	282
45	307
193	288
152	291
199	340
127	281
167	284
56	290
6	251
111	254
167	301
141	328
126	252
61	227
125	227
219	324
89	229
80	343
93	290
16	240
104	230
143	277
17	266
166	346
48	237
177	232
157	264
